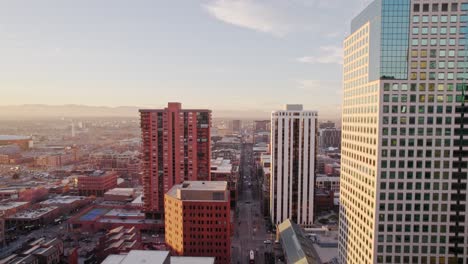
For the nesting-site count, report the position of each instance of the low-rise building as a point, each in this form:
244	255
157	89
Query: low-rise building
154	257
96	183
223	170
32	218
7	209
297	248
107	217
25	194
67	204
117	241
197	220
327	183
39	251
24	142
120	194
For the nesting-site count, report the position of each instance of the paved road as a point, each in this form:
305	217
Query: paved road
49	232
250	232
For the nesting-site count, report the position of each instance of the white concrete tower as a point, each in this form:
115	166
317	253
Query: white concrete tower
294	148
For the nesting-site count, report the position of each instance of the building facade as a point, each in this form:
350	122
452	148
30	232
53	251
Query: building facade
294	147
236	125
176	147
330	138
96	183
404	166
197	220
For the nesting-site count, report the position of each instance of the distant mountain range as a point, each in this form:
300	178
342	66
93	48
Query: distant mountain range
36	111
51	111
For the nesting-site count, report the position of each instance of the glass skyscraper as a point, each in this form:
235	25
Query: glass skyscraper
404	137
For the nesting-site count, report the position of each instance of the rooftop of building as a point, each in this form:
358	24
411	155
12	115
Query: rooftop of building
174	106
64	199
10	149
297	247
229	139
121	191
138	200
16	259
295	108
120	212
221	165
11	205
154	257
198	190
325	244
326	178
97	173
33	213
13	137
192	260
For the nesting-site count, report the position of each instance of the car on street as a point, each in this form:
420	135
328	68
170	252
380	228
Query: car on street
268	241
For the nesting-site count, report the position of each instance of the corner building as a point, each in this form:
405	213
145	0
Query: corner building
294	146
404	136
198	221
176	147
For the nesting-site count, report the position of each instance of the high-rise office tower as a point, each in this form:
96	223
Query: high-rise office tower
176	147
403	168
294	148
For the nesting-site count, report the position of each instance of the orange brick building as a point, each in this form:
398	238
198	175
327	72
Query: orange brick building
197	220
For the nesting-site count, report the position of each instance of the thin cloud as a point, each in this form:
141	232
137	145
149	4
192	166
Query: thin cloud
249	14
319	85
328	55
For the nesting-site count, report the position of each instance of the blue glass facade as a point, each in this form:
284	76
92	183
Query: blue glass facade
394	39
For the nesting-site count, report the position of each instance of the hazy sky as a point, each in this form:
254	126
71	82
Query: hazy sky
219	54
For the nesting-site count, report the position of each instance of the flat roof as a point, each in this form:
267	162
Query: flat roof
154	257
129	221
192	260
124	213
199	186
63	199
221	165
11	205
121	191
138	200
96	173
327	178
37	213
181	110
199	191
14	137
138	256
297	248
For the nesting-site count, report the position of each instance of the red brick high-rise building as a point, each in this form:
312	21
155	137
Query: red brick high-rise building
176	148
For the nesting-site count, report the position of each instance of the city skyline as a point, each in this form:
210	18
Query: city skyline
150	53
